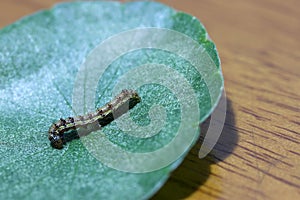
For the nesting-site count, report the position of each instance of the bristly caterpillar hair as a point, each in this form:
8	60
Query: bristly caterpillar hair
126	100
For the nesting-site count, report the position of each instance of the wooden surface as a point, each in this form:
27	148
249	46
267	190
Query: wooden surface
258	154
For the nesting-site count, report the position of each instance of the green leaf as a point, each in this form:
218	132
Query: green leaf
40	56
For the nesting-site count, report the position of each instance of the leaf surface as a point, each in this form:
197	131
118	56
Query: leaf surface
40	56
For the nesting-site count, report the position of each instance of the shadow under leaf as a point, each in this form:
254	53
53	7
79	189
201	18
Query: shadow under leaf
194	172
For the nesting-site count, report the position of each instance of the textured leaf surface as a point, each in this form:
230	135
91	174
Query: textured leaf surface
39	58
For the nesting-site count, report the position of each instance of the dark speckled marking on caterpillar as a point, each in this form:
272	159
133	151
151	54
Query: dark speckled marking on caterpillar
103	116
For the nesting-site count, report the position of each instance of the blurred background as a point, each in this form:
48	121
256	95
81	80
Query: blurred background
257	156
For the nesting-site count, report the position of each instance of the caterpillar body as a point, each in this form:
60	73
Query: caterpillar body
126	100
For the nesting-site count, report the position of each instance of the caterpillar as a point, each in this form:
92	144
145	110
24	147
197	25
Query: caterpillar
126	100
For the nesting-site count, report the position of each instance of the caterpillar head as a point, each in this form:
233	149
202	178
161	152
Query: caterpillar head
56	141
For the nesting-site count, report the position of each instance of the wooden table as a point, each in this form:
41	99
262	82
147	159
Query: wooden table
258	154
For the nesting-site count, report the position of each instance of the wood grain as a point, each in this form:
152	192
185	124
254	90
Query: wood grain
258	154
